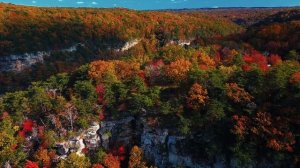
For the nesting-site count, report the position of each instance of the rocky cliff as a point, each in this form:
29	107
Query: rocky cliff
160	147
18	62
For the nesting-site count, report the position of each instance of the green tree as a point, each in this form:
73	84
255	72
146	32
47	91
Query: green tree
17	104
8	143
40	102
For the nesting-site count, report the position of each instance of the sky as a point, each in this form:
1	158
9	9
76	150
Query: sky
156	4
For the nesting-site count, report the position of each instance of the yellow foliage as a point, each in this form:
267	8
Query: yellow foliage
99	69
178	69
116	70
228	70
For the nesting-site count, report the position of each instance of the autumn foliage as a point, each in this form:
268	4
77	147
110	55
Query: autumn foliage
295	78
113	70
256	58
178	69
197	97
263	127
97	166
237	94
43	156
111	161
136	158
30	164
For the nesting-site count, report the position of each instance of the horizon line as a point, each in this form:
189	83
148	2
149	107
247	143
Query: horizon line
197	8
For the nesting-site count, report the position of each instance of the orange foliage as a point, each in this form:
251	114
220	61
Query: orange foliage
240	127
126	70
120	70
205	62
111	161
295	79
99	69
43	156
197	97
97	166
178	69
275	131
275	59
136	158
237	94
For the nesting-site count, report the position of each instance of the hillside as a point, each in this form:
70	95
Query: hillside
278	33
30	36
142	89
28	29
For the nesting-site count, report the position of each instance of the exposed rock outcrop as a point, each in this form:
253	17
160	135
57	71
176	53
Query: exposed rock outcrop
160	147
128	45
181	42
18	62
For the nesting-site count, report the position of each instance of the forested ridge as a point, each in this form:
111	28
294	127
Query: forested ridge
231	98
28	29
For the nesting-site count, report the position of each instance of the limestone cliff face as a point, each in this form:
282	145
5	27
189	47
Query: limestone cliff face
160	147
18	62
128	45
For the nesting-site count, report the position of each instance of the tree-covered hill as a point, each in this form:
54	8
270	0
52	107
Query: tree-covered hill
278	33
239	106
29	29
165	102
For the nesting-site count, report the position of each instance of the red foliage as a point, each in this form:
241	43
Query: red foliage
295	79
100	89
246	68
85	150
248	59
30	164
217	57
257	58
97	166
121	150
22	133
154	70
275	59
122	158
142	75
101	116
27	125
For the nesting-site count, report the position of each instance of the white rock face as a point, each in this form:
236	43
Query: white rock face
181	42
87	139
20	62
128	45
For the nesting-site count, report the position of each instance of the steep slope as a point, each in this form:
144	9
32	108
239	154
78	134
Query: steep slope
28	32
184	107
29	29
279	33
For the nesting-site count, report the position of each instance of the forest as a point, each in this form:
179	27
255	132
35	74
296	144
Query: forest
229	95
